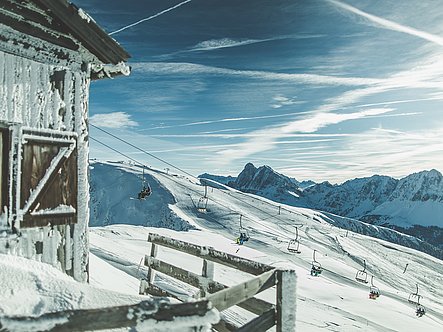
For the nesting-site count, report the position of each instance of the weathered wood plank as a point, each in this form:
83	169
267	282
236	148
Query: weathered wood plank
224	326
151	273
35	31
89	33
236	294
110	318
211	254
286	303
27	13
254	305
260	323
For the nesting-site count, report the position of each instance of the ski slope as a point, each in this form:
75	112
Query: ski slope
334	301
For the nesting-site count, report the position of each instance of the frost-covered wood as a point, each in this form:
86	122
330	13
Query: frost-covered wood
49	52
286	300
211	254
144	316
37	95
206	285
231	296
260	323
223	297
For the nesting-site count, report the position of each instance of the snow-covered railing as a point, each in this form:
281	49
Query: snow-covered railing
281	315
144	316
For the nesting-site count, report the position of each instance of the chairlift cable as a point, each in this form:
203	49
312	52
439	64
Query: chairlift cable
178	168
142	150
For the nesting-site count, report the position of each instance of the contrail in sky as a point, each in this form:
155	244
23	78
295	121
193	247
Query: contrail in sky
390	24
150	17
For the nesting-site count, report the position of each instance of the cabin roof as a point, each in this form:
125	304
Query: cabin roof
63	24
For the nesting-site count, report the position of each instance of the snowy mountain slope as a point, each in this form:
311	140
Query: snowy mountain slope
334	301
405	204
414	200
113	199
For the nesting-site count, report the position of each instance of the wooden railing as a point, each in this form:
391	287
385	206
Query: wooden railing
144	316
281	315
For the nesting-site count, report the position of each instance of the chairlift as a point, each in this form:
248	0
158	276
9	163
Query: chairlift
294	244
316	268
362	275
244	234
374	292
414	298
420	310
203	202
146	188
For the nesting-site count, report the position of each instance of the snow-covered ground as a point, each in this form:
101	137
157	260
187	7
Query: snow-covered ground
334	301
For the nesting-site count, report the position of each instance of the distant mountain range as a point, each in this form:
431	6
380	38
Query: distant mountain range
413	204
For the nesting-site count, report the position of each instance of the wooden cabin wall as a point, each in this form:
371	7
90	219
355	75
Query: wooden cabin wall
45	97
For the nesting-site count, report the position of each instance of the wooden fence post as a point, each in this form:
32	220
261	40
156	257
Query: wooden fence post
286	300
208	273
151	272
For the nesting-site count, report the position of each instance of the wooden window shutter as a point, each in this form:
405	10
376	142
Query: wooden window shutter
48	186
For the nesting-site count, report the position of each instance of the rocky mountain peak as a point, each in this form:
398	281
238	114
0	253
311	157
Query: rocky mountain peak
422	186
264	178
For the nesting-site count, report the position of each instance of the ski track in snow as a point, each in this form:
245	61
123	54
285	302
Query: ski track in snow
334	301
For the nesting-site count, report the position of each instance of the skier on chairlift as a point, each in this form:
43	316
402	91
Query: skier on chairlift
146	192
242	238
420	311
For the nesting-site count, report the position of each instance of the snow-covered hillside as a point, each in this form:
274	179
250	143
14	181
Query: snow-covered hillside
410	204
113	200
333	301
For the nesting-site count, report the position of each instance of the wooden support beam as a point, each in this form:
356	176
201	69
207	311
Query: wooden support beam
209	253
112	317
89	33
286	299
260	323
224	326
33	30
254	305
151	273
234	295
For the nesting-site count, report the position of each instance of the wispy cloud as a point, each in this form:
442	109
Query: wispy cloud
321	120
214	44
183	68
198	123
387	24
150	17
113	120
280	100
360	155
424	75
403	101
264	139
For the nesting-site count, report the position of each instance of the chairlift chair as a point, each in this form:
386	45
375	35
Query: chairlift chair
146	188
420	310
316	268
244	234
203	202
294	244
414	298
362	275
374	292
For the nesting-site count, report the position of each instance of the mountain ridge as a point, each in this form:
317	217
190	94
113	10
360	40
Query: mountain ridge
409	204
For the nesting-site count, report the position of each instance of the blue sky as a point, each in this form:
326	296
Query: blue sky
320	89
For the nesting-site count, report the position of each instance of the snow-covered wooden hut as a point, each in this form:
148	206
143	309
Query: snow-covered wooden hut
49	52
